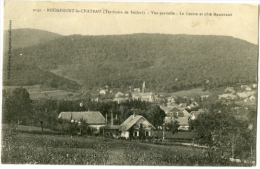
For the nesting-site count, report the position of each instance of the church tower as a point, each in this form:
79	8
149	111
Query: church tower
143	88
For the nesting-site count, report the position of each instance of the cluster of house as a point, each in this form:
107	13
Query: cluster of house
135	94
246	94
121	97
130	127
180	114
133	125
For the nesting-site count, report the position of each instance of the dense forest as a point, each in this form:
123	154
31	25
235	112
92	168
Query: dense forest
166	62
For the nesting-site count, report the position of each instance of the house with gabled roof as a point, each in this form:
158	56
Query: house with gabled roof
176	113
134	124
93	118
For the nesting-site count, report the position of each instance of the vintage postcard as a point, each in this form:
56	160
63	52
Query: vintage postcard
129	83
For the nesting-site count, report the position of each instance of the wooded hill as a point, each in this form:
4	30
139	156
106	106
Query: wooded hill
165	62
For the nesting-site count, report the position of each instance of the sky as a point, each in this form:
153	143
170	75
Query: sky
242	24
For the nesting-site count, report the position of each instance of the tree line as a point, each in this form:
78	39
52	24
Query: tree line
19	108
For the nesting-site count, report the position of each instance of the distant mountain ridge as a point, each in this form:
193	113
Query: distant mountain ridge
165	62
21	38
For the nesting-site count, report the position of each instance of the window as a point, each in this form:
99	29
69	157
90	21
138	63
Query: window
135	133
147	133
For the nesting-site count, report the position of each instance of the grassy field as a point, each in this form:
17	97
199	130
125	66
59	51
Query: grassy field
187	93
26	145
42	92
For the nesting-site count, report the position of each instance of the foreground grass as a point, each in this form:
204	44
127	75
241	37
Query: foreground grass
28	148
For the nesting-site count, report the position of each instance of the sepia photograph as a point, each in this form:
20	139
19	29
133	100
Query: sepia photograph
129	83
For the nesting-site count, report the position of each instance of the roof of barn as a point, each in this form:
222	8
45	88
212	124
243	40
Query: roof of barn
90	117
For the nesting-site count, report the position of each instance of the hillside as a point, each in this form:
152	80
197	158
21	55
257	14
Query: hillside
28	37
166	62
27	75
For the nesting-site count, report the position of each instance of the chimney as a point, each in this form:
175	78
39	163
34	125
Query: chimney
116	116
112	120
106	118
133	115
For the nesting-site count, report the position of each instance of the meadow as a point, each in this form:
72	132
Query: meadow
43	92
25	145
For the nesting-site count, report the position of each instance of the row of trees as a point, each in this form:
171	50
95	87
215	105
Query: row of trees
18	107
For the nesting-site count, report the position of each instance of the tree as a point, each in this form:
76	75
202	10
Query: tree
17	106
155	115
220	129
173	126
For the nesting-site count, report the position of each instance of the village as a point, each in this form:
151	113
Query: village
177	109
100	129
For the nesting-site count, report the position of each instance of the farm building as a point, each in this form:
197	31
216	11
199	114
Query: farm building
111	131
134	125
93	118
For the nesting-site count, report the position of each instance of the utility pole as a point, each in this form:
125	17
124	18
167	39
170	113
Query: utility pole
233	146
163	130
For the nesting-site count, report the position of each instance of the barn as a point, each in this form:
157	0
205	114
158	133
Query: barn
94	119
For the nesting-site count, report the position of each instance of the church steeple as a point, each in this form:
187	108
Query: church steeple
143	88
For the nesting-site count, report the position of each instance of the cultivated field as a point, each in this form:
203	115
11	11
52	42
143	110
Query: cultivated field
28	145
41	92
